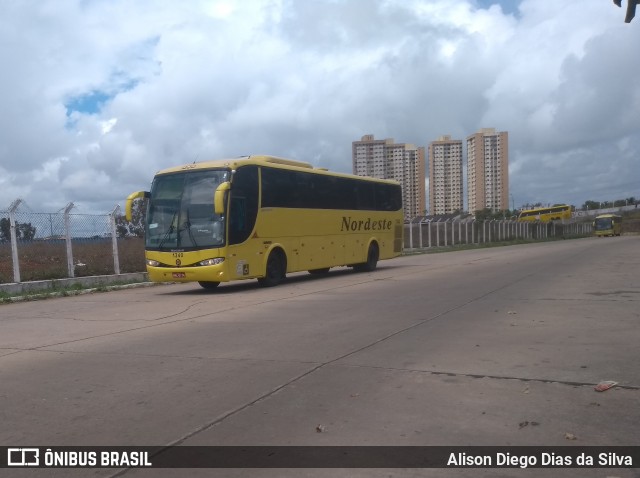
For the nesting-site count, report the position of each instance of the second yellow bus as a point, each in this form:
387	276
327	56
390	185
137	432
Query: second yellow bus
607	225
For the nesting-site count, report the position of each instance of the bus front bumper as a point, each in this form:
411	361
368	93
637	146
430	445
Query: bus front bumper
216	273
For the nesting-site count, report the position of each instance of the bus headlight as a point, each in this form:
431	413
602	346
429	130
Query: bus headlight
152	263
211	262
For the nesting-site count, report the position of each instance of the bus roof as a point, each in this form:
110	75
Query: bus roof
608	215
234	163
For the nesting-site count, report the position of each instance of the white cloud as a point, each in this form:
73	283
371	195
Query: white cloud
188	81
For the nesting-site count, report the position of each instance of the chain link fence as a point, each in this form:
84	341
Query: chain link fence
426	233
41	246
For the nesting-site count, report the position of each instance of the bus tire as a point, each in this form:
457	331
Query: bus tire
276	269
209	285
373	255
317	272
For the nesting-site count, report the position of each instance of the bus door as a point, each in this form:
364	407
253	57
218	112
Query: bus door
244	251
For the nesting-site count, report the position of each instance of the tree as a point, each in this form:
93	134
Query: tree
24	231
136	227
4	229
488	214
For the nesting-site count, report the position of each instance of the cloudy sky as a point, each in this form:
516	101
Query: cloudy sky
97	95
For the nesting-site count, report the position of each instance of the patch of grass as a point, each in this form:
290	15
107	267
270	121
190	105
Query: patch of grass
68	291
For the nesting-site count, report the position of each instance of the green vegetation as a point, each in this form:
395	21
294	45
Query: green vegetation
590	205
24	231
135	227
490	215
68	291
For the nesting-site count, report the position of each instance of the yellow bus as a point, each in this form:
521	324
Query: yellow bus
558	212
261	217
607	225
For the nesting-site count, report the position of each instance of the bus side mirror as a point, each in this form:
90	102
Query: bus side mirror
129	204
219	198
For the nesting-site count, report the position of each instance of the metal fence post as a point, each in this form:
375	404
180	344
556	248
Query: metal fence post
411	234
67	237
453	232
114	240
14	240
445	233
429	226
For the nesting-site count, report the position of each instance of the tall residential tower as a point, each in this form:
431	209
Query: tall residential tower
445	175
404	163
488	170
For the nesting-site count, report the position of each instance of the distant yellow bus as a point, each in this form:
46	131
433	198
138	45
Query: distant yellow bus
607	225
545	214
261	217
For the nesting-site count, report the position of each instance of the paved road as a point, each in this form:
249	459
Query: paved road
497	346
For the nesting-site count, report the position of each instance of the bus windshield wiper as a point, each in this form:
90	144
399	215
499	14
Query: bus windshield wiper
188	224
169	231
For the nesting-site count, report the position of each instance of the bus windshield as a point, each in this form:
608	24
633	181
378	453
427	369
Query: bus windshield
602	223
181	211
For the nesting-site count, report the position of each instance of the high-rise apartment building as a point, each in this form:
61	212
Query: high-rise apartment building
405	163
445	175
488	170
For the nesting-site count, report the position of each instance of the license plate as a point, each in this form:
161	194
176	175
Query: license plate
178	275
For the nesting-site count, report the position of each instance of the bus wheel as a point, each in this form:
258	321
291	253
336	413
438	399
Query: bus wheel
276	269
372	260
209	285
317	272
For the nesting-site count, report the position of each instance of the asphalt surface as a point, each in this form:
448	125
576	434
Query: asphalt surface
499	346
